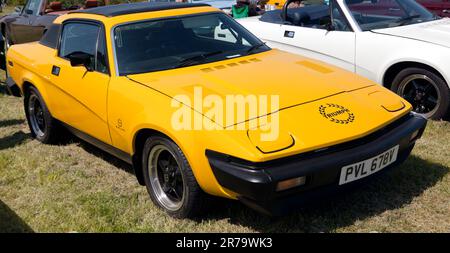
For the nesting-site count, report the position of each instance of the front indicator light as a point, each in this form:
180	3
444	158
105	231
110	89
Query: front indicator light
290	183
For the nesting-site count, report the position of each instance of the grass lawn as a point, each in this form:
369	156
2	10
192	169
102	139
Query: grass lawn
76	187
7	9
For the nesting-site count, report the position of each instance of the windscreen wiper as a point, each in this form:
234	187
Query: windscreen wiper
405	20
196	59
254	47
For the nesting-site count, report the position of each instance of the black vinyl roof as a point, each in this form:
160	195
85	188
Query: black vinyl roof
123	9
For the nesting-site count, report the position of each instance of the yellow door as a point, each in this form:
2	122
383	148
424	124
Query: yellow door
82	93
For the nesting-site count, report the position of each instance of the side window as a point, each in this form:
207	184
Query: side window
32	7
83	37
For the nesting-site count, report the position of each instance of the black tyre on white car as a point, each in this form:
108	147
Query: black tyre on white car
428	92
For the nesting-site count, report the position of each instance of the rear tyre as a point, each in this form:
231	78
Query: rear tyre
169	179
428	93
42	125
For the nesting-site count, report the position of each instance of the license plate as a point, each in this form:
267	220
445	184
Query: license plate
367	167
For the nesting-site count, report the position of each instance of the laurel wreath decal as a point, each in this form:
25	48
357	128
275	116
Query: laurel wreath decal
339	111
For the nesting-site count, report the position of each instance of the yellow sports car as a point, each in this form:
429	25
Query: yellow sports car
199	106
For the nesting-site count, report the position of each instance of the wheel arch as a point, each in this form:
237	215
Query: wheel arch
29	80
26	87
139	139
394	69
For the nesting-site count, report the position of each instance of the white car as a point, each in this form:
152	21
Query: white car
397	43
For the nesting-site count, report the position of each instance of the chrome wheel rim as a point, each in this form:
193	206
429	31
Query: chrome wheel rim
166	178
36	114
422	92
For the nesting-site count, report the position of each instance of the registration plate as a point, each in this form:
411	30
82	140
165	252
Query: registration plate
367	167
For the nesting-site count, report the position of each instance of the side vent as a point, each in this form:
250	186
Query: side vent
219	67
207	70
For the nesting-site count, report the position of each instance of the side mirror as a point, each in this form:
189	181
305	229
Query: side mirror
330	27
80	59
18	9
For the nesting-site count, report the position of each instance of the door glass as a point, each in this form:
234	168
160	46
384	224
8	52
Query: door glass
78	37
101	64
32	7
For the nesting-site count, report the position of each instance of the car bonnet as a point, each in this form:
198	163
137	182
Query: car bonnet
435	32
293	79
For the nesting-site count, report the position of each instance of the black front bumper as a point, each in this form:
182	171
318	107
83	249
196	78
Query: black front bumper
255	183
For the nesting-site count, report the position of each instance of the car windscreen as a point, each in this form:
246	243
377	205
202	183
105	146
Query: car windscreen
171	43
379	14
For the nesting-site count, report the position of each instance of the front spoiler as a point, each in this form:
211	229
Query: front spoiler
255	183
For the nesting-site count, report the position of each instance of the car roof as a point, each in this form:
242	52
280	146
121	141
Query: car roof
132	8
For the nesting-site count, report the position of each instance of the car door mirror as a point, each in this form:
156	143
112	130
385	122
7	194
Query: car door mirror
330	27
80	59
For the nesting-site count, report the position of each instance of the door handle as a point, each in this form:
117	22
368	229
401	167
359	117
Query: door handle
55	70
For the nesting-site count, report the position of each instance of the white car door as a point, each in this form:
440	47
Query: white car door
335	46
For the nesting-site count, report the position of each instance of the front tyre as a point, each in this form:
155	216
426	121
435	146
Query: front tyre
169	179
42	125
427	92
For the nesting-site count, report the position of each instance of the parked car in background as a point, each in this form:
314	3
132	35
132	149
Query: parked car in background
29	23
397	43
113	79
438	7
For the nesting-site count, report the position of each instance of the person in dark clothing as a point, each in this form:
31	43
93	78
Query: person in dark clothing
243	9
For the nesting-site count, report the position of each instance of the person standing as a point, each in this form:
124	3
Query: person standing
243	9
